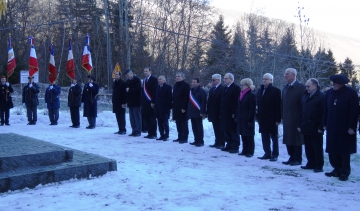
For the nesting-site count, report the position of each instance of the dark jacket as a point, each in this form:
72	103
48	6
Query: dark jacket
30	95
214	103
118	95
180	100
5	96
149	97
163	101
245	114
269	109
74	96
133	98
341	113
229	101
52	96
197	98
89	98
312	110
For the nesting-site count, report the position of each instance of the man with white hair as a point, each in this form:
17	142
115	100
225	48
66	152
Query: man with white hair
269	116
291	108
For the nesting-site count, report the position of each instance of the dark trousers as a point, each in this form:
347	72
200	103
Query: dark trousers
53	115
163	124
182	129
75	115
120	118
150	122
340	163
135	119
248	145
295	153
5	114
31	112
198	130
143	124
265	138
314	151
219	139
232	139
92	121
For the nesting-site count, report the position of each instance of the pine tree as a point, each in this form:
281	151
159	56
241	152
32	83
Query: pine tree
347	68
238	53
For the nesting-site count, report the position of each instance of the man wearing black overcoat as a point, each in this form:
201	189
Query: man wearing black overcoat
30	100
133	102
163	105
228	108
180	104
74	103
340	121
196	111
119	103
213	109
269	116
5	101
148	96
89	98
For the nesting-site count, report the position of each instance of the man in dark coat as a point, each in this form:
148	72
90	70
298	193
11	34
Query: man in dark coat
5	101
133	100
180	104
147	103
245	116
269	116
163	104
311	125
228	108
119	103
340	121
196	111
74	103
213	109
52	100
291	108
89	98
30	100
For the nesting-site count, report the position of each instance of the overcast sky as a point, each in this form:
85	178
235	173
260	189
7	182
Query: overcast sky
333	16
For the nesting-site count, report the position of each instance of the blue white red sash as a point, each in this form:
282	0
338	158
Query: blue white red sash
193	100
146	93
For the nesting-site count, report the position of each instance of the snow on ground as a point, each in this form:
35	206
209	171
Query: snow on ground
157	175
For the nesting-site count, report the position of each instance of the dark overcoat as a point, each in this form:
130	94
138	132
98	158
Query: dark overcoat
214	103
245	114
5	96
163	101
118	95
228	107
74	96
89	98
269	109
148	95
312	111
180	100
133	98
198	99
341	113
52	96
291	108
30	95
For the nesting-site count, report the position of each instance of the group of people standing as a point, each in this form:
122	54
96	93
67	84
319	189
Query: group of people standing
304	111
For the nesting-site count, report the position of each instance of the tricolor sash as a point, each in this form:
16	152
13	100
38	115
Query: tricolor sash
193	100
147	94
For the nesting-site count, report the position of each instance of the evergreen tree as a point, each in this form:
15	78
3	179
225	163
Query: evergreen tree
347	68
238	53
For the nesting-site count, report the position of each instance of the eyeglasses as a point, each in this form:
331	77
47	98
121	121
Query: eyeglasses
265	79
242	85
226	78
214	79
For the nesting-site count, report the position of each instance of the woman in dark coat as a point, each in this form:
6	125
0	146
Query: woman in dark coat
89	98
245	115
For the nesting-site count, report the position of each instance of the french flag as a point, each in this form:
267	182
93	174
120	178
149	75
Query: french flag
33	62
86	57
70	66
52	67
11	59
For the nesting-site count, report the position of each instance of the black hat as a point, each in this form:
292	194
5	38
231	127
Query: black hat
339	79
92	77
127	71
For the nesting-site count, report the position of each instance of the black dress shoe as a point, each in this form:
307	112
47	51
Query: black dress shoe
166	139
144	131
7	124
242	154
233	151
77	126
2	124
249	155
333	173
273	159
213	145
71	126
122	133
176	140
199	144
160	139
151	137
225	149
295	163
318	170
264	157
343	177
183	141
219	147
305	167
137	134
286	162
193	143
117	132
90	127
147	136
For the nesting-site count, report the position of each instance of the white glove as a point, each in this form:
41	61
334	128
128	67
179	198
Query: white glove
51	87
23	104
72	85
30	85
90	84
7	84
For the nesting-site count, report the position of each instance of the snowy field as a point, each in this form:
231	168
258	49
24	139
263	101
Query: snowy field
157	175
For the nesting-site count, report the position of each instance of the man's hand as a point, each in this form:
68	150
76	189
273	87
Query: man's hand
277	123
351	131
299	129
152	105
127	89
123	105
183	111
